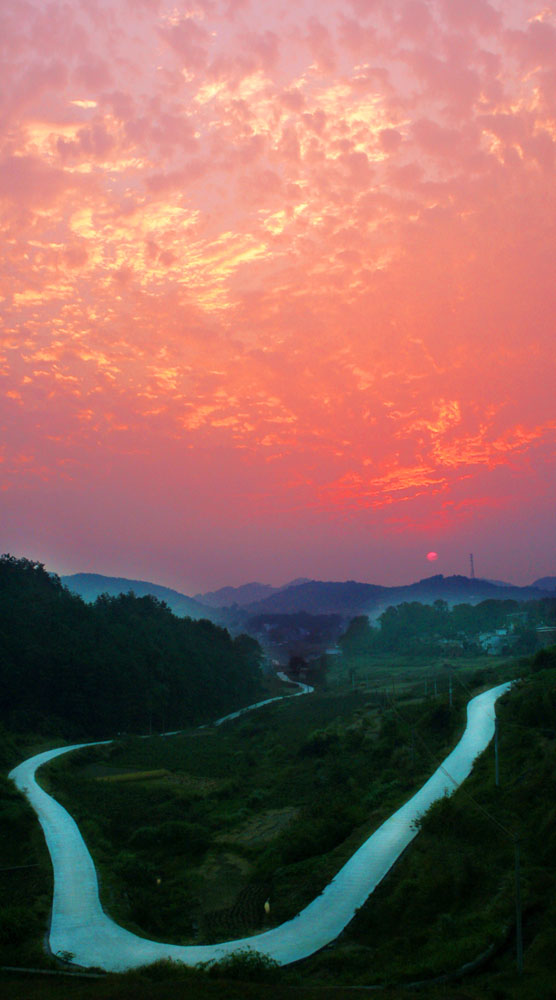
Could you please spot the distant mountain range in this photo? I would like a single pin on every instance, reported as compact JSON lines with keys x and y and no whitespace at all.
{"x":352,"y":598}
{"x":236,"y":605}
{"x":320,"y":598}
{"x":248,"y":593}
{"x":546,"y":583}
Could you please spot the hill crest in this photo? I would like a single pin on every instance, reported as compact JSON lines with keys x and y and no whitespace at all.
{"x":89,"y":586}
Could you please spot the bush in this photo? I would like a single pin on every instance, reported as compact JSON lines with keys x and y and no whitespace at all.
{"x":319,"y":742}
{"x":159,"y":971}
{"x":245,"y":965}
{"x":314,"y":837}
{"x":544,"y":659}
{"x":179,"y":836}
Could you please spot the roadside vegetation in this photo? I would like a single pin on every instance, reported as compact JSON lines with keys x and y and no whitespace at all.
{"x":25,"y":872}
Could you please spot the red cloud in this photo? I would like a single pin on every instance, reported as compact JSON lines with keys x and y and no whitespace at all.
{"x":536,"y":45}
{"x":468,"y":14}
{"x":188,"y":40}
{"x":30,"y":182}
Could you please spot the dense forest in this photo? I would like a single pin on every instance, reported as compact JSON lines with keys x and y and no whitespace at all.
{"x":124,"y":663}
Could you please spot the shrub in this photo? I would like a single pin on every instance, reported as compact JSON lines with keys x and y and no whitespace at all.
{"x":245,"y":965}
{"x":544,"y":659}
{"x":165,"y":968}
{"x":315,"y":836}
{"x":319,"y":742}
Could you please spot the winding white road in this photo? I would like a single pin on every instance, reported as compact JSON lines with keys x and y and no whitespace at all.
{"x":80,"y":928}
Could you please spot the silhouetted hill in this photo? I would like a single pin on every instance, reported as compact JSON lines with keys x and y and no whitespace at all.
{"x":352,"y":598}
{"x":316,"y":597}
{"x":227,"y":596}
{"x":248,"y":593}
{"x":320,"y":598}
{"x":89,"y":586}
{"x":545,"y":583}
{"x":460,"y":589}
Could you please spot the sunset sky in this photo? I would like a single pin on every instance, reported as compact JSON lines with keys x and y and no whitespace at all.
{"x":278,"y":291}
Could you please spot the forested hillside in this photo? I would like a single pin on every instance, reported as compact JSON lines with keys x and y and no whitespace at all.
{"x":124,"y":663}
{"x":89,"y":586}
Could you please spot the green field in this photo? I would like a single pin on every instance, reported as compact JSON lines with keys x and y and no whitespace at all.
{"x":392,"y":672}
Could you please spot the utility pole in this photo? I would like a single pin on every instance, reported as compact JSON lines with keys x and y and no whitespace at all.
{"x":472,"y":566}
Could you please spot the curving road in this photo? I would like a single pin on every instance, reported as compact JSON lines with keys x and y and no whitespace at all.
{"x":81,"y":928}
{"x":303,"y":689}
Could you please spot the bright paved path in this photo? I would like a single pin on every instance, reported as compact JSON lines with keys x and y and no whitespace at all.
{"x":80,"y":926}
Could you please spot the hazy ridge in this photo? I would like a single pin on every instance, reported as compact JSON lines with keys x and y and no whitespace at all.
{"x":89,"y":586}
{"x":346,"y":598}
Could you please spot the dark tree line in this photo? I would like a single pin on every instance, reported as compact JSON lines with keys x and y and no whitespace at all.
{"x":423,"y":628}
{"x":125,"y":663}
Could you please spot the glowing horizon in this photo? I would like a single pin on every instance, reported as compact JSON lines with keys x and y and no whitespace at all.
{"x":278,"y":297}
